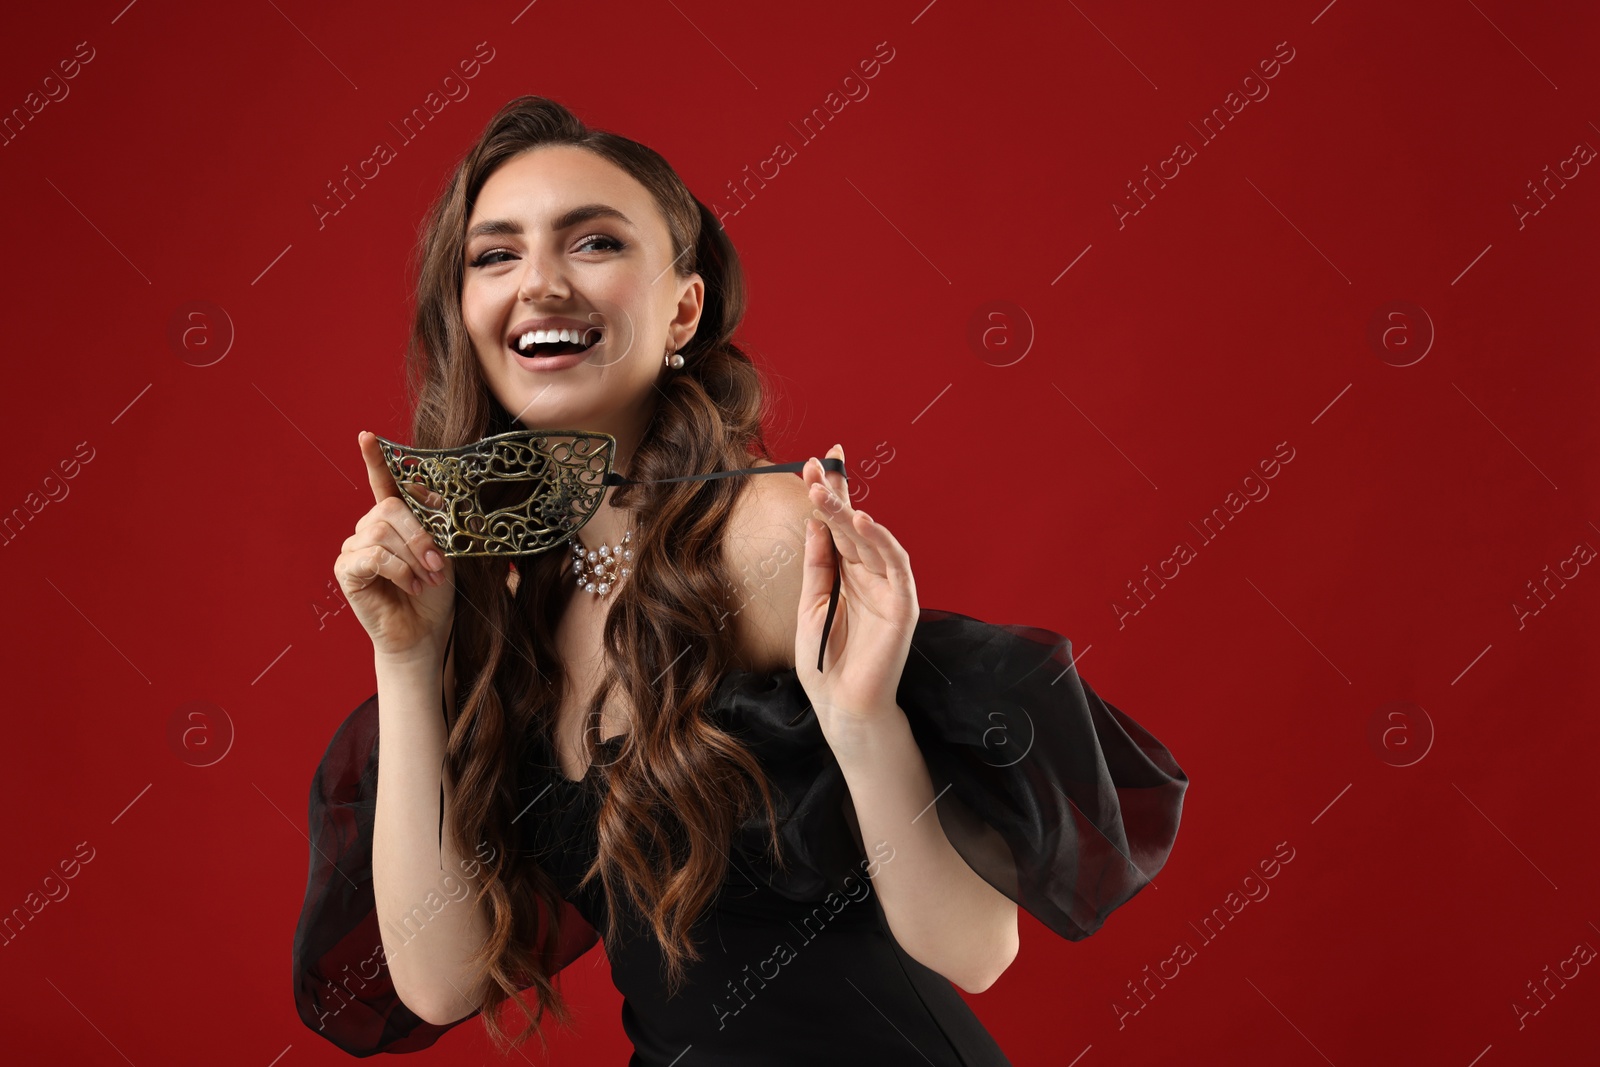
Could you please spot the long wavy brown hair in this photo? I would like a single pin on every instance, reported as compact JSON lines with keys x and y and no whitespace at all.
{"x":680,"y":783}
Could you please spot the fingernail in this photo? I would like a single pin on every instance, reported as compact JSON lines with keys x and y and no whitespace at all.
{"x":435,"y":560}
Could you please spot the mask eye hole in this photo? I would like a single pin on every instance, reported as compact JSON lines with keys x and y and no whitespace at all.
{"x":499,"y":494}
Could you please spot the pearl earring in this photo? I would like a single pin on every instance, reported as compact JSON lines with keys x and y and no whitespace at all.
{"x":673,"y":360}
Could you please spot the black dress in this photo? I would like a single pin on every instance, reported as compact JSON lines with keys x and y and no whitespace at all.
{"x":1056,"y":798}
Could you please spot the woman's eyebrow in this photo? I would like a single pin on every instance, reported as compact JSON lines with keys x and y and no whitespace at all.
{"x":580,"y":214}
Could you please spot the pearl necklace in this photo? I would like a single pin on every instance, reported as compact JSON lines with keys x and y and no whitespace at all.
{"x":598,"y":570}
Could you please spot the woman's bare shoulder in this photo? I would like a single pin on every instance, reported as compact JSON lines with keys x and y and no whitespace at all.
{"x":764,"y":550}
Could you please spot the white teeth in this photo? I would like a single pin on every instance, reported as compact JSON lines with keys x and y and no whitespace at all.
{"x":544,"y":337}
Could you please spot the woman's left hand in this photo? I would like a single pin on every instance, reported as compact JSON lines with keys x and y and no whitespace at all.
{"x":872,"y":626}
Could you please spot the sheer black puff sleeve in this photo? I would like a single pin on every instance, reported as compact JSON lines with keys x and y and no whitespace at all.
{"x":342,"y":987}
{"x":1053,"y":796}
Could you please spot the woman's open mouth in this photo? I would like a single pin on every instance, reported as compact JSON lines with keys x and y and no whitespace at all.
{"x":555,"y":349}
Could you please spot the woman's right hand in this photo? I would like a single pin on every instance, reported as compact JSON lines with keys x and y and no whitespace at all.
{"x":401,"y":586}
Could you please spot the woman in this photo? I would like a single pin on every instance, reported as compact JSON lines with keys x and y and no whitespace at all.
{"x":659,"y":755}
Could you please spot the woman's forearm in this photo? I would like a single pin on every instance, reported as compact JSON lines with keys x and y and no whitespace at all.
{"x":426,"y":914}
{"x":939,"y":909}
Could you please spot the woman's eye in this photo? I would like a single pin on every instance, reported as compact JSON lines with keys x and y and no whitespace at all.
{"x":606,"y":244}
{"x":610,"y":242}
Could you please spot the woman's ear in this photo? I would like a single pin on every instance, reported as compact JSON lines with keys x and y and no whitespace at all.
{"x":691,"y":301}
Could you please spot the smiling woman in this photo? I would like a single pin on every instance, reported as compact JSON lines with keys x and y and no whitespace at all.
{"x":634,"y":765}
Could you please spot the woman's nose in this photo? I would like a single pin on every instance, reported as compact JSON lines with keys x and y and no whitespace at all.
{"x":541,"y":277}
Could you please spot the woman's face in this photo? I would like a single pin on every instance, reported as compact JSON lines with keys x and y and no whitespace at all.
{"x":571,"y":237}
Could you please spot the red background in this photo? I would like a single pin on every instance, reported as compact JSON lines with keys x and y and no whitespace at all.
{"x":1032,"y":479}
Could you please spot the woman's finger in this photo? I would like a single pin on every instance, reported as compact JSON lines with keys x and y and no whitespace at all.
{"x":835,"y":496}
{"x":868,"y":535}
{"x":896,"y":560}
{"x":378,"y":475}
{"x":816,"y":581}
{"x":361,"y":565}
{"x":836,"y":481}
{"x":385,"y":534}
{"x":838,"y":499}
{"x":424,"y":549}
{"x":837,"y":514}
{"x":420,"y":543}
